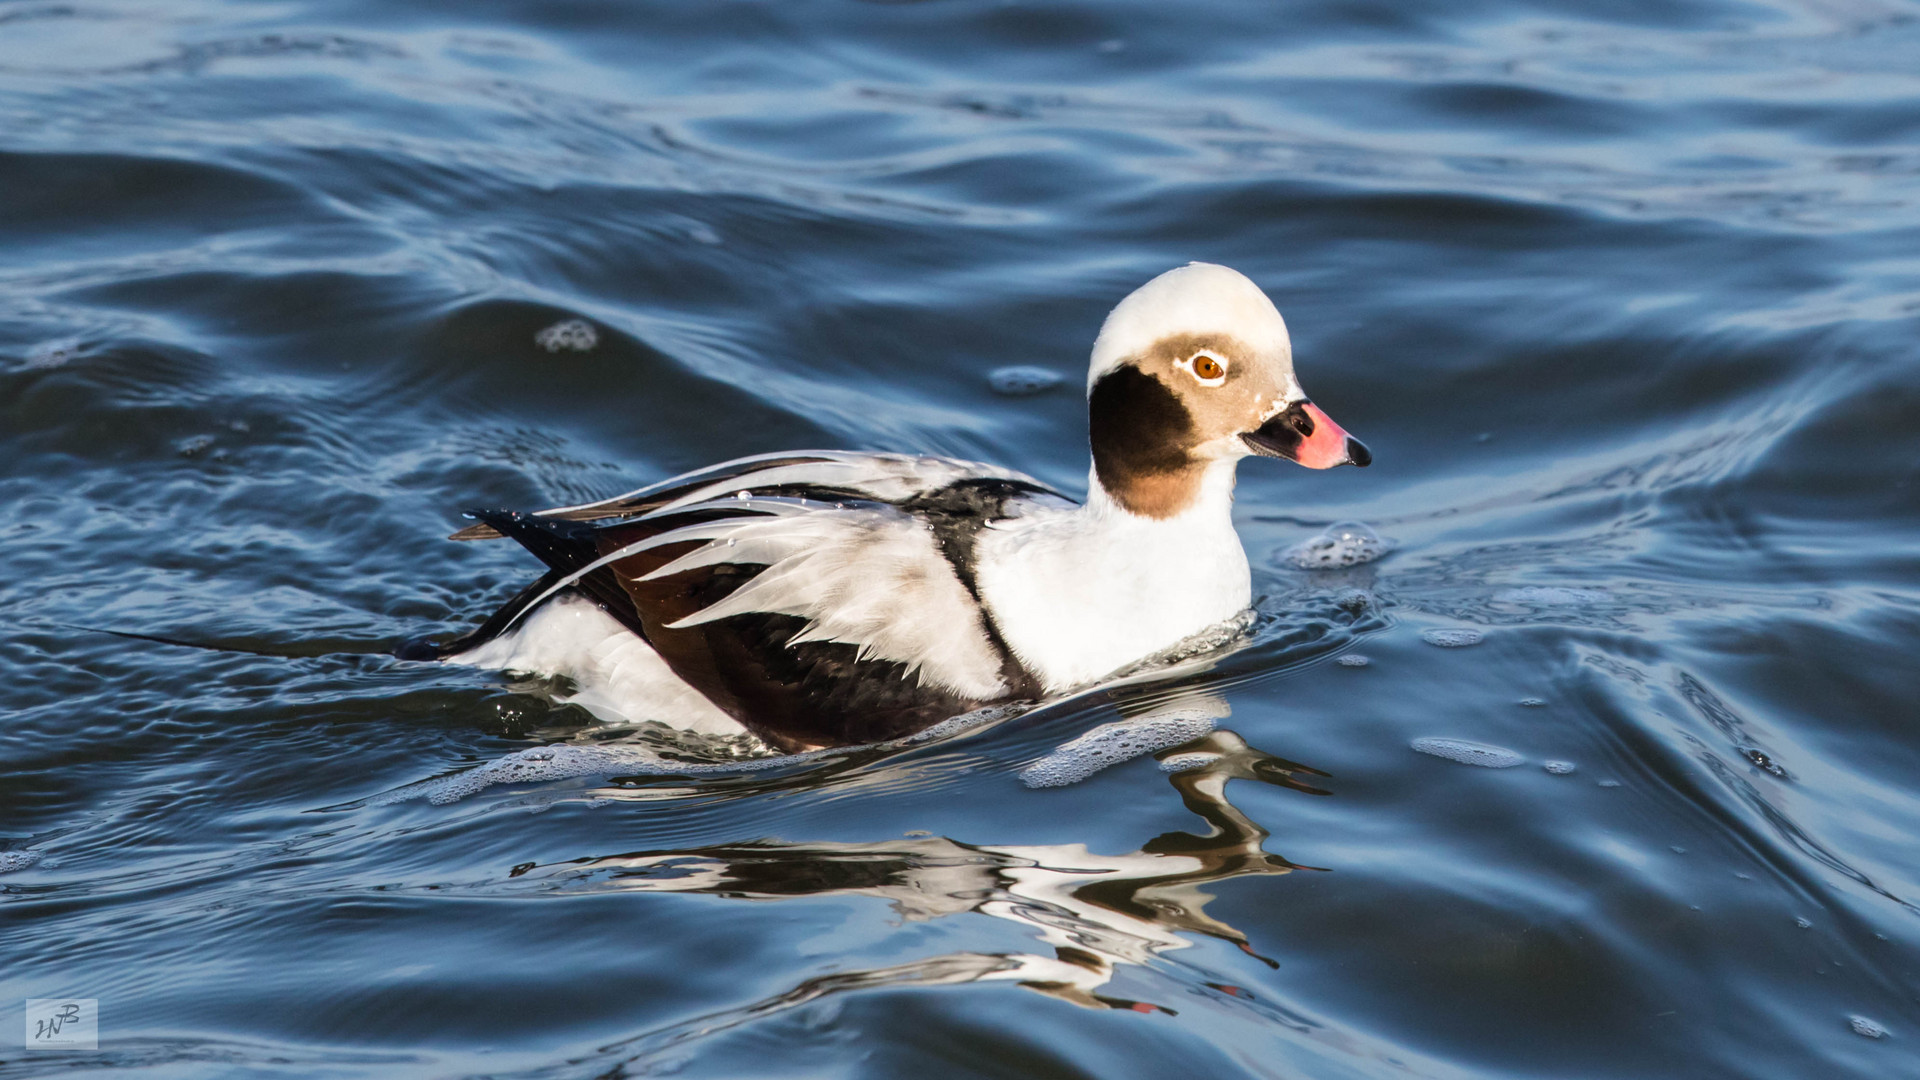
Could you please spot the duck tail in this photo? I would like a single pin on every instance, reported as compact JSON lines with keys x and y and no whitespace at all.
{"x":567,"y":547}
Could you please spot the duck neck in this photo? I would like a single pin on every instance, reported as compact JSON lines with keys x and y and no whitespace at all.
{"x":1082,"y":594}
{"x":1197,"y":498}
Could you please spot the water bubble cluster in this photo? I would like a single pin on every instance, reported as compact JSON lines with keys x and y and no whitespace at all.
{"x":1353,"y":660}
{"x":1865,"y":1027}
{"x":1111,"y":744}
{"x":989,"y":714}
{"x":1340,"y":545}
{"x":1559,"y":768}
{"x":570,"y":335}
{"x":540,"y":764}
{"x":1452,"y":637}
{"x":1023,"y":380}
{"x":1469,"y":753}
{"x":17,"y":860}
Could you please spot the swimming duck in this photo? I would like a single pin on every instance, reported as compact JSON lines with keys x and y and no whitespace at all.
{"x":821,"y":598}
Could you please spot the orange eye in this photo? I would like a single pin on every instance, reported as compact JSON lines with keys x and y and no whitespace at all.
{"x":1206,"y":368}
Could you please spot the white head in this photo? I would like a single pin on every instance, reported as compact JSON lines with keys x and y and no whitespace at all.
{"x":1195,"y":367}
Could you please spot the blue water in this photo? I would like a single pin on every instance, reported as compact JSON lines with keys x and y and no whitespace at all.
{"x":1623,"y":297}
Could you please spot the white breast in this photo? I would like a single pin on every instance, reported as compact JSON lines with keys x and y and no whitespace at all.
{"x":1078,"y":594}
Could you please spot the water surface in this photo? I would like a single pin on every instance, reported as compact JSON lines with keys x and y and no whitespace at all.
{"x":1623,"y":296}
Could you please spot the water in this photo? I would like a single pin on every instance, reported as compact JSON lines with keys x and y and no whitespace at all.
{"x":1338,"y":546}
{"x":1622,"y":297}
{"x":1469,"y":753}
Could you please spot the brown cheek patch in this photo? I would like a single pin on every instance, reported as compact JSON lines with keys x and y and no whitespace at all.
{"x":1141,"y":434}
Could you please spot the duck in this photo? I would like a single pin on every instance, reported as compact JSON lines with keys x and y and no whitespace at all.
{"x":824,"y":598}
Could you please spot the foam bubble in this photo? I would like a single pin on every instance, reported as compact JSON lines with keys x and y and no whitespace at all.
{"x":1559,"y":768}
{"x":1217,"y":636}
{"x":17,"y":860}
{"x":1111,"y":744}
{"x":1869,"y":1028}
{"x":565,"y":761}
{"x":1023,"y":381}
{"x":1455,"y":637}
{"x":570,"y":335}
{"x":1343,"y":544}
{"x":1469,"y":753}
{"x":1353,"y":660}
{"x":988,"y":714}
{"x":1173,"y":763}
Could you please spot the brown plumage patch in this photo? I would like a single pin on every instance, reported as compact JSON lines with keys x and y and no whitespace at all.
{"x":1148,"y":419}
{"x":1141,"y":434}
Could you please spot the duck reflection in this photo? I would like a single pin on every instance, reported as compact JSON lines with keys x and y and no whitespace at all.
{"x":1097,"y":912}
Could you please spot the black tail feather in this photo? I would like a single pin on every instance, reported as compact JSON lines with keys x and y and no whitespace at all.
{"x":421,"y":648}
{"x":566,"y":547}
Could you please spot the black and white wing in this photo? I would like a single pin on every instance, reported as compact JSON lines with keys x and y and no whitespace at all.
{"x":819,"y":474}
{"x":820,"y":598}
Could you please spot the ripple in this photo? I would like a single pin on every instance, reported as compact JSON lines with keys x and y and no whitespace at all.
{"x":1552,"y":596}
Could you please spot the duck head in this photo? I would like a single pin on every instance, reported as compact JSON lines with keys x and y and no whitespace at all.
{"x":1194,"y":370}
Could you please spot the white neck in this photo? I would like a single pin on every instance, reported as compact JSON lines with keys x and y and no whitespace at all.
{"x":1080,"y":593}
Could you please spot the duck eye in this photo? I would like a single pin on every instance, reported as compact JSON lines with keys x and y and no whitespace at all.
{"x":1206,"y":368}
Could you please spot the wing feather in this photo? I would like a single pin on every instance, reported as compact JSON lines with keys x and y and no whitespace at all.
{"x":820,"y":598}
{"x":873,"y":578}
{"x":886,"y":477}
